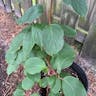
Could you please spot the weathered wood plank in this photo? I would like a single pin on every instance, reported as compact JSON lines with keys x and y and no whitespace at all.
{"x":89,"y":47}
{"x":85,"y":24}
{"x":91,"y":5}
{"x":2,"y":4}
{"x":57,"y":7}
{"x":16,"y":8}
{"x":68,"y":17}
{"x":8,"y":5}
{"x":80,"y":37}
{"x":64,"y":14}
{"x":25,"y":4}
{"x":46,"y":14}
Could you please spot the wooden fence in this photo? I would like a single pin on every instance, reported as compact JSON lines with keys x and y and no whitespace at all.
{"x":61,"y":13}
{"x":16,"y":6}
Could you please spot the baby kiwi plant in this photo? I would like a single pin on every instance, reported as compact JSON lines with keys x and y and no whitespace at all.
{"x":43,"y":53}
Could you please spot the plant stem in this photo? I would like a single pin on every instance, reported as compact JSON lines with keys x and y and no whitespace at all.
{"x":48,"y":62}
{"x":51,"y":71}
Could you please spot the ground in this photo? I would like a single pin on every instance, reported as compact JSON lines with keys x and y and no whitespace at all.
{"x":8,"y":29}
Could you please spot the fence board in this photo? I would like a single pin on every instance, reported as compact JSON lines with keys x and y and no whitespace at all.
{"x":57,"y":7}
{"x":89,"y":47}
{"x":8,"y":5}
{"x":80,"y":37}
{"x":85,"y":24}
{"x":47,"y":10}
{"x":16,"y":8}
{"x":68,"y":17}
{"x":25,"y":4}
{"x":44,"y":16}
{"x":2,"y":4}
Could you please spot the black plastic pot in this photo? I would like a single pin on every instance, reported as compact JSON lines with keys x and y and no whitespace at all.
{"x":81,"y":74}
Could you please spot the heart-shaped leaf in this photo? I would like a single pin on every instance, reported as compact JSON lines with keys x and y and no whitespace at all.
{"x":54,"y":83}
{"x":68,"y":31}
{"x":51,"y":81}
{"x":35,"y":77}
{"x":31,"y":14}
{"x":11,"y":68}
{"x":27,"y":83}
{"x":53,"y":39}
{"x":43,"y":82}
{"x":17,"y":42}
{"x":19,"y":59}
{"x":63,"y":59}
{"x":57,"y":86}
{"x":37,"y":35}
{"x":34,"y":65}
{"x":73,"y":87}
{"x":18,"y":92}
{"x":10,"y":56}
{"x":28,"y":41}
{"x":80,"y":6}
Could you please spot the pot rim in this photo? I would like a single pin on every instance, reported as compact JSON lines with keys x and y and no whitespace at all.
{"x":81,"y":74}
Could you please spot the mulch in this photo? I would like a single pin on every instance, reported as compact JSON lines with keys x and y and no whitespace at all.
{"x":9,"y":29}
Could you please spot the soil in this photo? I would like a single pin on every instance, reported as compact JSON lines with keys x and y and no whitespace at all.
{"x":9,"y":29}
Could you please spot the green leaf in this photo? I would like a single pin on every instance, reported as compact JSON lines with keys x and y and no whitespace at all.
{"x":63,"y":74}
{"x":11,"y":68}
{"x":37,"y":34}
{"x":63,"y":59}
{"x":43,"y":82}
{"x":39,"y":52}
{"x":28,"y":41}
{"x":52,"y":94}
{"x":35,"y":94}
{"x":35,"y":77}
{"x":18,"y":92}
{"x":10,"y":56}
{"x":51,"y":81}
{"x":19,"y":58}
{"x":53,"y":39}
{"x":34,"y":65}
{"x":80,"y":6}
{"x":16,"y":42}
{"x":31,"y":14}
{"x":27,"y":84}
{"x":68,"y":31}
{"x":67,"y":1}
{"x":73,"y":87}
{"x":19,"y":86}
{"x":57,"y":86}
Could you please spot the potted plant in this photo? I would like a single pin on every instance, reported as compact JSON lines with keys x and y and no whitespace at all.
{"x":45,"y":56}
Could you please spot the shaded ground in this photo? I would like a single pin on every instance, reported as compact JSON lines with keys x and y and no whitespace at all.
{"x":91,"y":74}
{"x":8,"y":29}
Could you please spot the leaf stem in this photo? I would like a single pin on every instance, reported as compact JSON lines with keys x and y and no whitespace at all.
{"x":51,"y":71}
